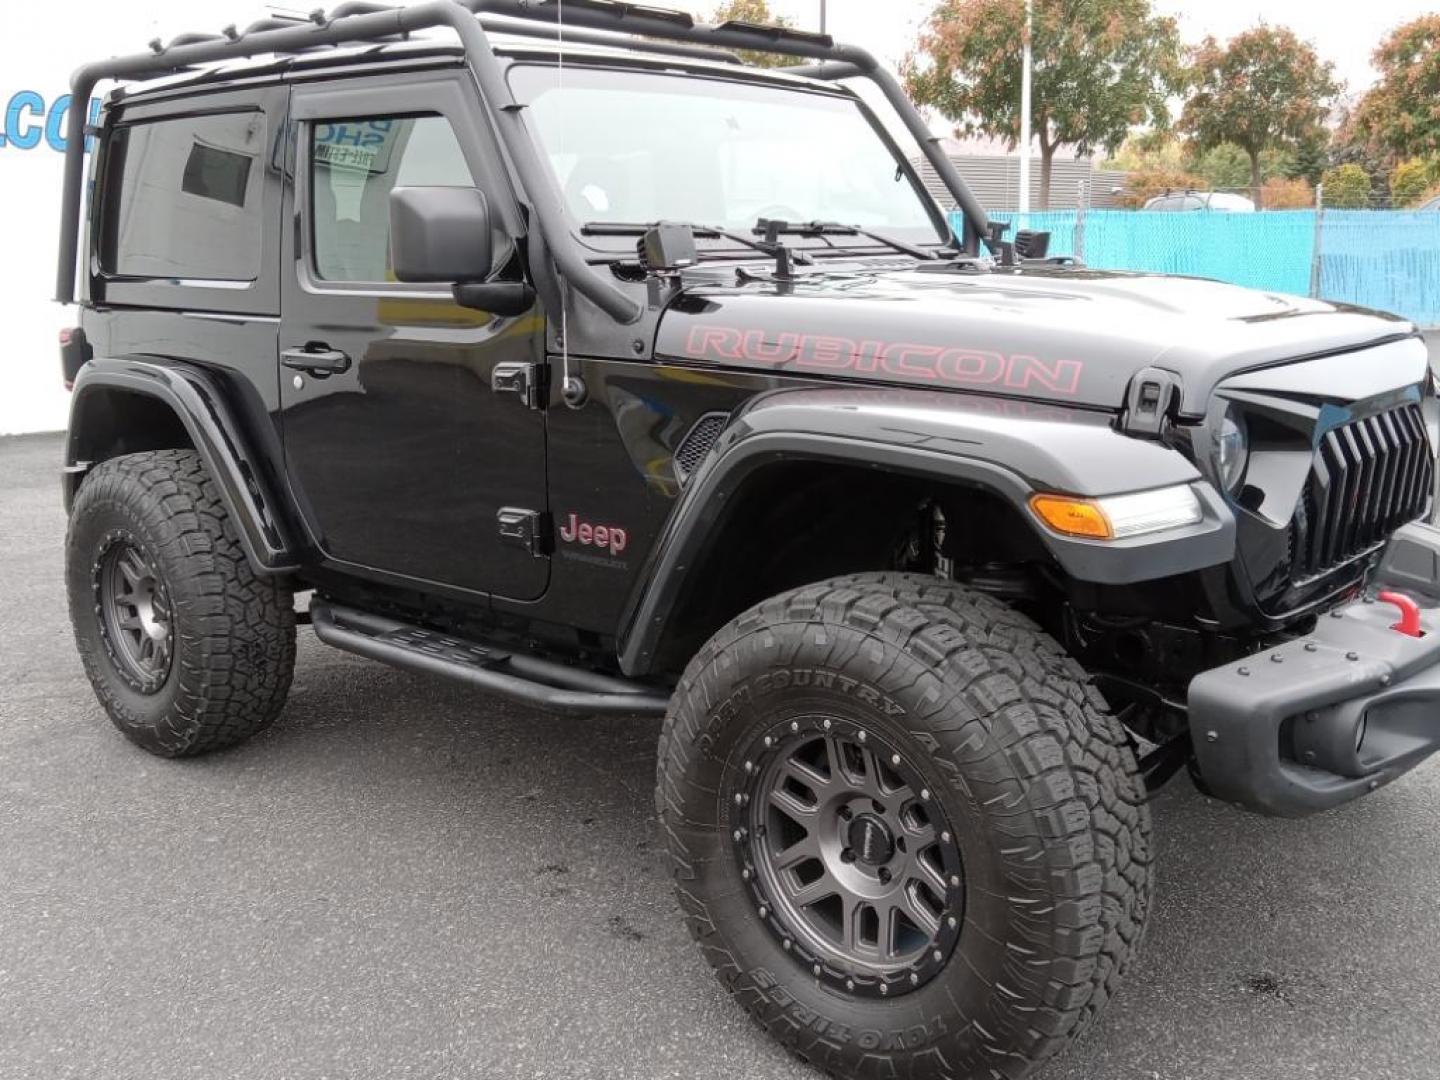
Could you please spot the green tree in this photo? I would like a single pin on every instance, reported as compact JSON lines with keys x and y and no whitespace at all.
{"x":1263,"y":90}
{"x":754,"y":11}
{"x":1150,"y":149}
{"x":1347,"y":187}
{"x":1398,"y":116}
{"x":1226,"y":167}
{"x":1101,"y":67}
{"x":1223,"y":166}
{"x":1410,"y":180}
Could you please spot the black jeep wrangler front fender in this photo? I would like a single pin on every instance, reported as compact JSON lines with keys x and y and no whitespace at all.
{"x":196,"y":401}
{"x":1010,"y":448}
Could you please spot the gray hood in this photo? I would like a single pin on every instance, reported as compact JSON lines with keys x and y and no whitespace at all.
{"x":1072,"y":336}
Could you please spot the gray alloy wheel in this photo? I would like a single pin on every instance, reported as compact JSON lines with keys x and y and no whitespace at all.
{"x":850,"y":856}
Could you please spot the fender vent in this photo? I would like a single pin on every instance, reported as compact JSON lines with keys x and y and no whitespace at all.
{"x":697,"y":443}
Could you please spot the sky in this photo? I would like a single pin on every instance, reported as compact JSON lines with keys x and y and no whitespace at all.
{"x":1345,"y":33}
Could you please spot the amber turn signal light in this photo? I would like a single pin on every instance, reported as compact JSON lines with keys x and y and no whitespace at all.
{"x":1073,"y":517}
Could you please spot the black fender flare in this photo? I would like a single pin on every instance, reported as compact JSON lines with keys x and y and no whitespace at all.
{"x":197,"y":400}
{"x":1010,"y":448}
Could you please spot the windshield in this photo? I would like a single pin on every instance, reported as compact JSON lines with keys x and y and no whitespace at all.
{"x":638,"y":146}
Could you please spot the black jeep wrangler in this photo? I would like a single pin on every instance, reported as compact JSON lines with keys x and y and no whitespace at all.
{"x":586,"y":365}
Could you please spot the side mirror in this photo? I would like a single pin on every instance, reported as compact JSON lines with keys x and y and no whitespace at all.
{"x":439,"y":234}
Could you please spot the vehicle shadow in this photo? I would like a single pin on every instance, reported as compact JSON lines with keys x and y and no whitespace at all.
{"x":1261,"y":929}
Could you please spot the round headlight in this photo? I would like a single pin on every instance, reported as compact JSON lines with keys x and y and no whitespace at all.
{"x":1232,"y":450}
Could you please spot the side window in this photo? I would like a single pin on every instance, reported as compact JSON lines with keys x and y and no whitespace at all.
{"x":354,"y":165}
{"x":183,"y":198}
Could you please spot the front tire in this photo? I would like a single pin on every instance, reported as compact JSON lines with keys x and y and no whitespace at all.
{"x":186,"y":648}
{"x":904,"y":828}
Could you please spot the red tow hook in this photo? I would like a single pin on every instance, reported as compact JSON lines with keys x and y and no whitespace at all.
{"x":1409,"y":613}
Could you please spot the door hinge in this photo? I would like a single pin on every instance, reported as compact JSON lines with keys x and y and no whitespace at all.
{"x":1150,"y":398}
{"x":528,"y":529}
{"x":517,"y":377}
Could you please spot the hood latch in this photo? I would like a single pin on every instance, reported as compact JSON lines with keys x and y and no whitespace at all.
{"x":1150,"y":399}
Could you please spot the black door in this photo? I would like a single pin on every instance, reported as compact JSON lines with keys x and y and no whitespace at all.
{"x":399,"y":452}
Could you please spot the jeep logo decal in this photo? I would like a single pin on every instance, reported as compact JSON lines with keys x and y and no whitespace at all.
{"x":609,"y":538}
{"x":958,"y":365}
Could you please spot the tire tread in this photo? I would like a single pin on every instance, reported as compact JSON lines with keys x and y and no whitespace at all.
{"x":1070,"y":805}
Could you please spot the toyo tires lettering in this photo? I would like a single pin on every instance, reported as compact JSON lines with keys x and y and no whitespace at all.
{"x":914,"y":1037}
{"x":819,"y":678}
{"x":956,"y":365}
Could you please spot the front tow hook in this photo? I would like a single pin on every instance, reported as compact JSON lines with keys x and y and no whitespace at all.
{"x":1409,"y":623}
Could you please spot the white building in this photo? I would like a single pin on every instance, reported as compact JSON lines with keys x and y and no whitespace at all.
{"x":35,"y":67}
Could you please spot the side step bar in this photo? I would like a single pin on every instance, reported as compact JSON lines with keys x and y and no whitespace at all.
{"x":520,"y":677}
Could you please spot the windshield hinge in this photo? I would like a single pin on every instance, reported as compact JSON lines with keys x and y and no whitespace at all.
{"x":1151,"y":397}
{"x":522,"y":379}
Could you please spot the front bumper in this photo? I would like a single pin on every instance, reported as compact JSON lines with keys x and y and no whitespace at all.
{"x":1335,"y":714}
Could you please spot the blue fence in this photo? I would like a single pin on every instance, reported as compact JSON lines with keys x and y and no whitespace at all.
{"x":1386,"y":259}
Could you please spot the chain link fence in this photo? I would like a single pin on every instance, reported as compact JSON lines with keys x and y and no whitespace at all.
{"x":1378,"y":258}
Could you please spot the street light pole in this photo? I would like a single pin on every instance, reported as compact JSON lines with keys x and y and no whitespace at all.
{"x":1024,"y":203}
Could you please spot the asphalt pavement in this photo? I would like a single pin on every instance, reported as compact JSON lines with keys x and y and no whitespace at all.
{"x":406,"y":878}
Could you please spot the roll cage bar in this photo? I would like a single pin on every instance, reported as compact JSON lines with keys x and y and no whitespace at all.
{"x":586,"y":21}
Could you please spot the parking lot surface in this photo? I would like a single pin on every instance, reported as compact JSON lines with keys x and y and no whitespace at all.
{"x":406,"y":878}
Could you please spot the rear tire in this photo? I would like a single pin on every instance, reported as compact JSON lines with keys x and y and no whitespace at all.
{"x":187,"y":649}
{"x":1029,"y":829}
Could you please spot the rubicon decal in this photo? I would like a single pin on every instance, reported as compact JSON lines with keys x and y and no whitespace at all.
{"x":957,"y":364}
{"x":610,"y":538}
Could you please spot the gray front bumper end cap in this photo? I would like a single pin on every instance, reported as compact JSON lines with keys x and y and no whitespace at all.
{"x":1335,"y":714}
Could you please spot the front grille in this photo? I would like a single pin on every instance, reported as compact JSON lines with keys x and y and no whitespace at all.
{"x":1367,"y":479}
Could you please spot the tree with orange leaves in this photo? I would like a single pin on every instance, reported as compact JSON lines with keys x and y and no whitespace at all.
{"x":1400,"y":115}
{"x":1101,"y":67}
{"x":1263,"y":90}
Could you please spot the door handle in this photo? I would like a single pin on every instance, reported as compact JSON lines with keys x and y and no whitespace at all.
{"x":319,"y":360}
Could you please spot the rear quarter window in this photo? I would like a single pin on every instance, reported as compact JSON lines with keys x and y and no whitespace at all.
{"x":182,"y":198}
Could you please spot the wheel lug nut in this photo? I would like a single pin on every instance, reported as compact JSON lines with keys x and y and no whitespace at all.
{"x":914,"y":978}
{"x":794,"y":725}
{"x":764,"y":911}
{"x":786,"y":944}
{"x":739,"y":835}
{"x":894,"y":759}
{"x":954,"y":880}
{"x":945,"y":837}
{"x":925,"y":793}
{"x":749,"y":766}
{"x":860,"y":735}
{"x":952,"y":922}
{"x":745,"y":874}
{"x":849,"y":984}
{"x":816,"y":970}
{"x":826,"y":725}
{"x":769,"y":741}
{"x":938,"y":955}
{"x":884,"y":988}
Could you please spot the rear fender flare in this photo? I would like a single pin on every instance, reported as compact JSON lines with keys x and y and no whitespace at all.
{"x":196,"y":398}
{"x":1010,"y":448}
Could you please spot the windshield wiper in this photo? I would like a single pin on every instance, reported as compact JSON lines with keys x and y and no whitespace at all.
{"x":771,"y":228}
{"x":638,"y":228}
{"x":771,"y":247}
